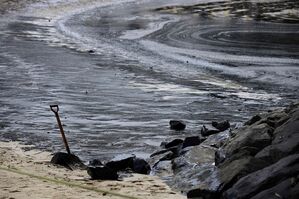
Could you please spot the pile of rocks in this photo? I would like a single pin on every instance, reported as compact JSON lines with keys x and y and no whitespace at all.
{"x":258,"y":160}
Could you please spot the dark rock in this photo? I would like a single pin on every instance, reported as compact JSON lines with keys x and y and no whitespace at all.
{"x":137,"y":165}
{"x":274,"y":118}
{"x":95,"y":163}
{"x":253,"y":120}
{"x":191,"y":141}
{"x":289,"y":128}
{"x":231,"y":172}
{"x":91,"y":51}
{"x":169,"y":156}
{"x":221,"y":126}
{"x":204,"y":194}
{"x":285,"y":142}
{"x":162,"y":169}
{"x":141,"y":166}
{"x":206,"y":132}
{"x":175,"y":149}
{"x":275,"y":152}
{"x":288,"y":188}
{"x":69,"y":161}
{"x":265,"y":178}
{"x":219,"y":156}
{"x":102,"y":173}
{"x":173,"y":143}
{"x":258,"y":136}
{"x":161,"y":152}
{"x":177,"y":125}
{"x":120,"y":165}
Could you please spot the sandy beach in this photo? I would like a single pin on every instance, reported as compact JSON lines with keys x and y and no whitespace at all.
{"x":28,"y":174}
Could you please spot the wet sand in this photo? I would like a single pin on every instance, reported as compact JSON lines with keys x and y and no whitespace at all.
{"x":27,"y":173}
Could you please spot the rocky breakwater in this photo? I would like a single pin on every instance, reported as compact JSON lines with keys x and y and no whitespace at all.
{"x":260,"y":159}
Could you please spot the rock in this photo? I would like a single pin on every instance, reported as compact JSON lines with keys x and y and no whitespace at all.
{"x":285,"y":142}
{"x":177,"y":125}
{"x":275,"y":152}
{"x":200,"y":154}
{"x":141,"y":166}
{"x":253,"y":120}
{"x":191,"y":141}
{"x":201,"y":177}
{"x":137,"y":165}
{"x":288,"y":188}
{"x":175,"y":149}
{"x":173,"y":143}
{"x":163,"y":169}
{"x":206,"y":132}
{"x":221,"y":126}
{"x":266,"y":178}
{"x":91,"y":51}
{"x":169,"y":156}
{"x":102,"y":173}
{"x":275,"y":119}
{"x":120,"y":165}
{"x":258,"y":136}
{"x":95,"y":163}
{"x":204,"y":194}
{"x":287,"y":129}
{"x":231,"y":172}
{"x":69,"y":161}
{"x":219,"y":156}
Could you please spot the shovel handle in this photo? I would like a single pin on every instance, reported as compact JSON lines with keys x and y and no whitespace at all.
{"x":54,"y":108}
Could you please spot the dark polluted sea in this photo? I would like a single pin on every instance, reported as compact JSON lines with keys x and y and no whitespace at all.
{"x":120,"y":70}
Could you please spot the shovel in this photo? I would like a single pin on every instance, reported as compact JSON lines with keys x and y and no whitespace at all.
{"x":55,"y":109}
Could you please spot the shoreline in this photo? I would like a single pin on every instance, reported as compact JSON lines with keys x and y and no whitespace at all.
{"x":28,"y":174}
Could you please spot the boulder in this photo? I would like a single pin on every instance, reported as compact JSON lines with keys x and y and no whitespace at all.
{"x":140,"y":166}
{"x":257,"y":136}
{"x":192,"y":177}
{"x":288,"y":188}
{"x":221,"y":126}
{"x":275,"y":152}
{"x":231,"y":172}
{"x":137,"y":165}
{"x":120,"y":165}
{"x":253,"y":120}
{"x":177,"y":125}
{"x":102,"y":173}
{"x":95,"y":163}
{"x":285,"y":142}
{"x":203,"y":193}
{"x":264,"y":179}
{"x":191,"y":141}
{"x":206,"y":131}
{"x":69,"y":161}
{"x":196,"y":155}
{"x":172,"y":143}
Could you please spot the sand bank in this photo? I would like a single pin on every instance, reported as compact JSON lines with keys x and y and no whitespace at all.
{"x":27,"y":173}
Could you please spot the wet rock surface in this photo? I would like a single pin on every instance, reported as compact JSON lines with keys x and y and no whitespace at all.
{"x":257,"y":160}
